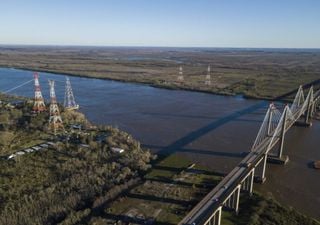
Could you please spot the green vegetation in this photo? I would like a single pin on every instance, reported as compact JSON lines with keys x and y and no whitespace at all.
{"x":258,"y":210}
{"x":253,"y":73}
{"x":63,"y":183}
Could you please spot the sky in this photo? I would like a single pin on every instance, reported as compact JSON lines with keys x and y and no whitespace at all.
{"x":170,"y":23}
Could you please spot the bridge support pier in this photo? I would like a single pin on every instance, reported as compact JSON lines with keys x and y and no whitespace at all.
{"x":232,"y":201}
{"x":215,"y":219}
{"x":262,"y":178}
{"x":247,"y":184}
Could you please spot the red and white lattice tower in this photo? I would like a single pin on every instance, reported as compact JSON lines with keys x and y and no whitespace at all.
{"x":208,"y":77}
{"x":180,"y":76}
{"x":38,"y":105}
{"x":55,"y":121}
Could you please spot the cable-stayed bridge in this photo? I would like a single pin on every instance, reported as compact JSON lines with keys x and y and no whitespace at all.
{"x":253,"y":167}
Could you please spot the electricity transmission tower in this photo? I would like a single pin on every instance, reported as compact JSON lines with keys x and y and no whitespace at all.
{"x":55,"y":121}
{"x":38,"y":105}
{"x":69,"y":102}
{"x":208,"y":77}
{"x":180,"y":76}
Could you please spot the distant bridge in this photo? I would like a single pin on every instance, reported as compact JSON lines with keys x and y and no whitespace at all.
{"x":272,"y":131}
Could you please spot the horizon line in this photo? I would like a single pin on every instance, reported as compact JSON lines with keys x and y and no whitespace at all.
{"x":151,"y":46}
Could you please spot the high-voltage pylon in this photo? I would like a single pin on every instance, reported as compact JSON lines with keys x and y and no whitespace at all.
{"x":69,"y":102}
{"x":38,"y":105}
{"x":55,"y":121}
{"x":208,"y":77}
{"x":180,"y":76}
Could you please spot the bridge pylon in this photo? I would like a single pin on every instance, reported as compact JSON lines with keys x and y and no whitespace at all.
{"x":310,"y":106}
{"x":279,"y":134}
{"x":269,"y":124}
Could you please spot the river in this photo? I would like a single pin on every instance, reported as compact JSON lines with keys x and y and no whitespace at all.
{"x":210,"y":129}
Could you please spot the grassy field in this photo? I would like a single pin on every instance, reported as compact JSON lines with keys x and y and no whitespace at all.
{"x":253,"y":73}
{"x":169,"y":191}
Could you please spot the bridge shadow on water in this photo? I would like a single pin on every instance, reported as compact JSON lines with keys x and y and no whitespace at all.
{"x":178,"y":145}
{"x":200,"y":151}
{"x":184,"y":116}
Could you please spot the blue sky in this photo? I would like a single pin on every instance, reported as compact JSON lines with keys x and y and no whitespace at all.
{"x":181,"y":23}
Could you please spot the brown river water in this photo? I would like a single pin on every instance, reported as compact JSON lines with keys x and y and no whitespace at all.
{"x":212,"y":130}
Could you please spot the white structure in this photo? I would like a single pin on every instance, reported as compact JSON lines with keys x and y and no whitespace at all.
{"x":38,"y":105}
{"x":208,"y":77}
{"x":117,"y":150}
{"x":69,"y":102}
{"x":55,"y":121}
{"x":180,"y":76}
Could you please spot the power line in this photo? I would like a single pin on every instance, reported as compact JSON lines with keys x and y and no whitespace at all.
{"x":11,"y":89}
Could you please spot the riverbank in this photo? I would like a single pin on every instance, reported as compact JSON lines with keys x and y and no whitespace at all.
{"x":257,"y":74}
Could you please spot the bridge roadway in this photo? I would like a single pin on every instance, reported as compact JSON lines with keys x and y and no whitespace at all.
{"x":216,"y":198}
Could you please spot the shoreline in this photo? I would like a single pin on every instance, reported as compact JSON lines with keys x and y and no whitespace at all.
{"x":150,"y":84}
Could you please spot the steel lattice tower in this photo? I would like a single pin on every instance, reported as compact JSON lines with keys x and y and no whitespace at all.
{"x":208,"y":77}
{"x":180,"y":76}
{"x":69,"y":102}
{"x":38,"y":105}
{"x":55,"y":121}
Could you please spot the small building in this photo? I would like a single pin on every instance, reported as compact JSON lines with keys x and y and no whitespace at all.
{"x":44,"y":145}
{"x":28,"y":150}
{"x":76,"y":127}
{"x":51,"y":143}
{"x":37,"y":148}
{"x":20,"y":153}
{"x":117,"y":150}
{"x":11,"y":156}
